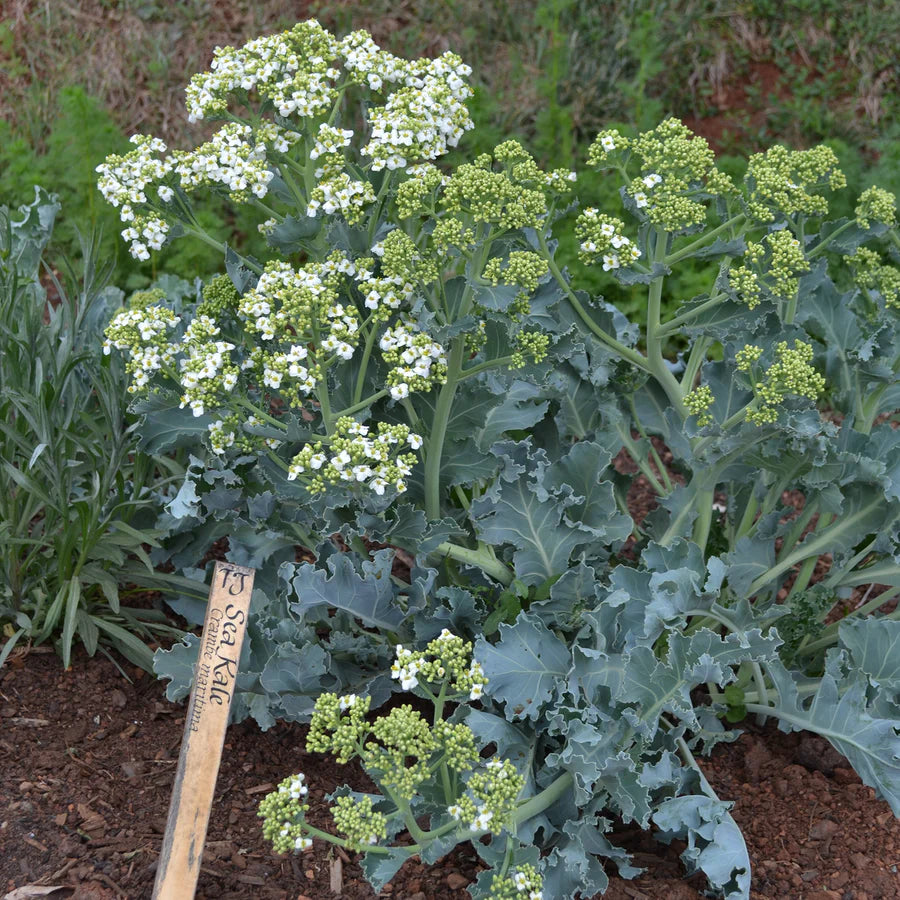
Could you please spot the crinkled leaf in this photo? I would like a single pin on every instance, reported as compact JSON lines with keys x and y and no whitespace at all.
{"x":524,"y":665}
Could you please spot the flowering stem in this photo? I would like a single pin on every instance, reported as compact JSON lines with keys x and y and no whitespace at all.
{"x":626,"y":353}
{"x":484,"y":366}
{"x":243,"y":401}
{"x":362,"y":404}
{"x":435,"y":445}
{"x":814,"y":545}
{"x":657,"y":365}
{"x":703,"y":241}
{"x":822,"y":246}
{"x":546,"y":798}
{"x":666,"y":328}
{"x":364,"y":364}
{"x":498,"y":570}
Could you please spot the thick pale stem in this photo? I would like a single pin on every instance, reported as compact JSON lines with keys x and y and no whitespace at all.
{"x":658,"y":366}
{"x":488,"y":564}
{"x":435,"y":447}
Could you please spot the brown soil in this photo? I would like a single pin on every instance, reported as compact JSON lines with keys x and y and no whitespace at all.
{"x":88,"y":761}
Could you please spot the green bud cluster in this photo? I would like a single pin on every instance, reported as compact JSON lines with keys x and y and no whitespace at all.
{"x":403,"y":743}
{"x":523,"y":268}
{"x":457,"y":744}
{"x":401,"y":258}
{"x":524,"y":883}
{"x":605,"y":144}
{"x":778,"y":260}
{"x":675,"y":164}
{"x":283,"y":813}
{"x":338,"y":725}
{"x":220,"y":297}
{"x":452,"y":232}
{"x":359,"y":821}
{"x":500,"y":198}
{"x":416,"y":196}
{"x":792,"y":374}
{"x":529,"y":344}
{"x":870,"y":273}
{"x":745,"y":283}
{"x":143,"y":299}
{"x":781,"y":182}
{"x":698,"y":402}
{"x":876,"y":204}
{"x":746,"y":356}
{"x":354,"y":458}
{"x":603,"y":236}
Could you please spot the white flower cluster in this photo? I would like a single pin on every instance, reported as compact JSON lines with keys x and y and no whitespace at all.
{"x":123,"y":179}
{"x":278,"y":366}
{"x":341,"y":194}
{"x":145,"y":232}
{"x":423,"y":119}
{"x":295,"y":788}
{"x":368,"y":64}
{"x":232,"y":158}
{"x":602,"y":236}
{"x":356,"y":456}
{"x":206,"y":373}
{"x":123,"y":182}
{"x":529,"y":884}
{"x":330,"y":140}
{"x":291,"y":69}
{"x":418,"y":362}
{"x":141,"y":333}
{"x":385,"y":293}
{"x":303,"y":303}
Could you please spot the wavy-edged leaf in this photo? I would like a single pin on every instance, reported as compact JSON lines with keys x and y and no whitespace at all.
{"x":524,"y":666}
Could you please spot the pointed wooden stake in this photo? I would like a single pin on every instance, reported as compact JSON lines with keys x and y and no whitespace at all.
{"x":204,"y":733}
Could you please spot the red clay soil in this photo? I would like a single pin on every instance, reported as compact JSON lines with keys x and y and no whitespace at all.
{"x":88,"y":760}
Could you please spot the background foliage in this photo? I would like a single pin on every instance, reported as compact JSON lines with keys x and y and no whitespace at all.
{"x":76,"y":78}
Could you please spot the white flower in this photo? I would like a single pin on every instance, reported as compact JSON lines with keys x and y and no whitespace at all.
{"x":415,"y":441}
{"x":302,"y":843}
{"x":640,"y":200}
{"x":347,"y":701}
{"x":482,"y":821}
{"x":455,"y":811}
{"x":607,"y":143}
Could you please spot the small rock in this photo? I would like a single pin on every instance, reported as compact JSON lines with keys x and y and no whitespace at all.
{"x":7,"y":712}
{"x":845,"y":776}
{"x":823,"y":830}
{"x":118,"y":699}
{"x":25,"y":786}
{"x":456,"y":882}
{"x":860,"y":860}
{"x":811,"y":875}
{"x":419,"y":896}
{"x":60,"y":820}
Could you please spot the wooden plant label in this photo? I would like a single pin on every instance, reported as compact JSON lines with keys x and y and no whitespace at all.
{"x":204,"y":732}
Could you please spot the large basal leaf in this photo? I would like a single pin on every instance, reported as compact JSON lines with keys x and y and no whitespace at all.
{"x":369,"y":598}
{"x":715,"y":844}
{"x":874,"y":646}
{"x":840,"y":711}
{"x":524,"y":666}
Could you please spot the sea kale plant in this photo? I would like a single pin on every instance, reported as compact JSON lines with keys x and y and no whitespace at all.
{"x":414,"y":390}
